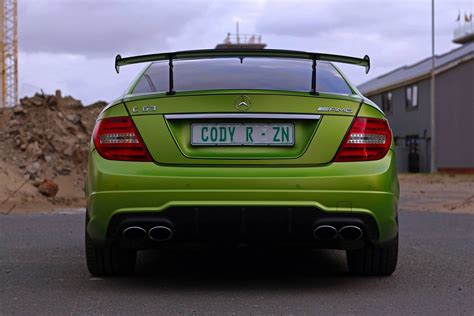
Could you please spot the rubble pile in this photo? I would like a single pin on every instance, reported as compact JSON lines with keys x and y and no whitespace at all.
{"x":47,"y":136}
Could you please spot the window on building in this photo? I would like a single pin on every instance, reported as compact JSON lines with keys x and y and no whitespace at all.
{"x":387,"y":102}
{"x":414,"y":99}
{"x":411,"y":93}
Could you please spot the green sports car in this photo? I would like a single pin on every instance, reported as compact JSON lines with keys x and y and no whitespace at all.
{"x":242,"y":147}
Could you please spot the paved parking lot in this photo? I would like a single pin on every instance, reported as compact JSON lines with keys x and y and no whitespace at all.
{"x":43,"y":272}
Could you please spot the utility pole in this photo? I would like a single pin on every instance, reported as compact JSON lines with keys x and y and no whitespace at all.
{"x":9,"y":53}
{"x":433,"y":95}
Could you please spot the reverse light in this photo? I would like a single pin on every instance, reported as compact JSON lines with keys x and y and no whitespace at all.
{"x":368,"y":139}
{"x":116,"y":138}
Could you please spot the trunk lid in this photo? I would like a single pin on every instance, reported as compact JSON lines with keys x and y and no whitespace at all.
{"x":310,"y":128}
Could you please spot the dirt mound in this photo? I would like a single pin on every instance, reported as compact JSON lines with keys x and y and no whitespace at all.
{"x":46,"y":137}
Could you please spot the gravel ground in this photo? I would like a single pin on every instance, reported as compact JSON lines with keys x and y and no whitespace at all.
{"x":449,"y":193}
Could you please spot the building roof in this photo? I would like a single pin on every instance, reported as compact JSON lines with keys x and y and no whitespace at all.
{"x":417,"y":70}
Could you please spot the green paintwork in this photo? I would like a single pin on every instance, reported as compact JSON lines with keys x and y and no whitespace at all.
{"x":317,"y":142}
{"x":128,"y":97}
{"x":114,"y":111}
{"x":263,"y":101}
{"x":300,"y":175}
{"x":122,"y":187}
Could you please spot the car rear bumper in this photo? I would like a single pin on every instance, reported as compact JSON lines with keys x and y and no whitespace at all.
{"x":243,"y":203}
{"x":242,"y":224}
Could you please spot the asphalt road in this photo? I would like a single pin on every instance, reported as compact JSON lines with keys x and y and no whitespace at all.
{"x":42,"y":271}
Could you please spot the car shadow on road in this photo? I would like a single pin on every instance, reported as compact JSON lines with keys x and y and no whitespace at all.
{"x":235,"y":269}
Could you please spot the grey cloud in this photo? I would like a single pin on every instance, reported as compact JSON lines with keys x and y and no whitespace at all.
{"x":90,"y":27}
{"x":54,"y":32}
{"x":315,"y":18}
{"x":392,"y":33}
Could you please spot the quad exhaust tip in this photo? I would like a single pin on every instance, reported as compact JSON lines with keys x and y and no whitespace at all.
{"x":160,"y":233}
{"x":350,"y":232}
{"x":325,"y":232}
{"x":134,"y":233}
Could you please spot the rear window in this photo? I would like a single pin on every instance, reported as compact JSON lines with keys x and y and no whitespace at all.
{"x":251,"y":74}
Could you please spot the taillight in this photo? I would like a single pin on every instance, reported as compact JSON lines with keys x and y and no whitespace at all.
{"x":368,"y":139}
{"x":116,"y":138}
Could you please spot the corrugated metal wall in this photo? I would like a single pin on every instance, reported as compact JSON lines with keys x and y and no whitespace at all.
{"x":455,"y":117}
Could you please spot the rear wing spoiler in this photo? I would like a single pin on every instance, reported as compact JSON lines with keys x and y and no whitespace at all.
{"x":241,"y":53}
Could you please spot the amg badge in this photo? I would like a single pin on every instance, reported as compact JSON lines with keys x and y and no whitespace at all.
{"x":334,"y":109}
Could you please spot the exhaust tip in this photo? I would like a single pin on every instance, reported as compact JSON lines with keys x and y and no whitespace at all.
{"x":325,"y":232}
{"x":160,"y":233}
{"x":350,"y":232}
{"x":133,"y":233}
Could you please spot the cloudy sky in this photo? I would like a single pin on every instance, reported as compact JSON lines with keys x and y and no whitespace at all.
{"x":71,"y":44}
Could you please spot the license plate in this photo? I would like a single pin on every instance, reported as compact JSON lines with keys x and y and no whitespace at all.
{"x":242,"y":134}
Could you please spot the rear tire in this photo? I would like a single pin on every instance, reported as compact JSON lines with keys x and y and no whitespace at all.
{"x":109,"y":260}
{"x":373,"y":260}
